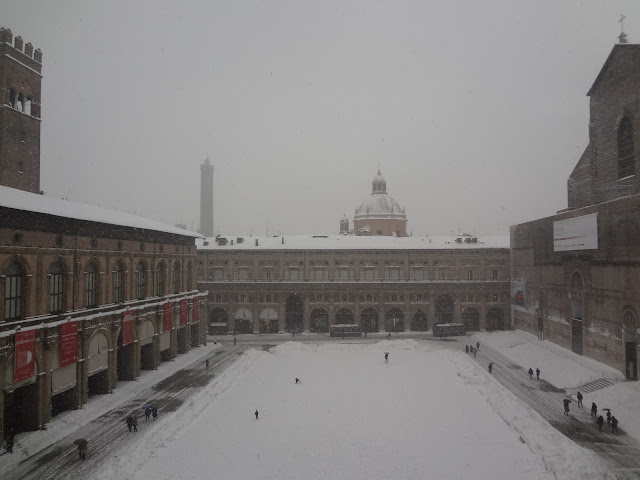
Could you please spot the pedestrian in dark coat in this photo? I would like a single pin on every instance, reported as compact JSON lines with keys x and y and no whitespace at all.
{"x":531,"y":373}
{"x":130,"y":422}
{"x":256,"y":414}
{"x":490,"y":367}
{"x":9,"y":440}
{"x":135,"y":423}
{"x":608,"y":417}
{"x":82,"y":448}
{"x":206,"y":363}
{"x":579,"y":397}
{"x":537,"y":374}
{"x":298,"y":380}
{"x":478,"y":346}
{"x":614,"y":425}
{"x":147,"y":414}
{"x":594,"y":409}
{"x":466,"y":348}
{"x":566,"y":407}
{"x":600,"y":422}
{"x":154,"y":413}
{"x":386,"y":358}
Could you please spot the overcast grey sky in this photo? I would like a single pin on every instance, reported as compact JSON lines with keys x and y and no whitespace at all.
{"x":476,"y":111}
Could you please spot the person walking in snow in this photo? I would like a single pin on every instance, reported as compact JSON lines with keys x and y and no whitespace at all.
{"x":579,"y":397}
{"x":530,"y":373}
{"x":147,"y":413}
{"x":466,"y":348}
{"x":135,"y":423}
{"x":298,"y":380}
{"x":130,"y":422}
{"x":478,"y":346}
{"x":490,"y":367}
{"x":234,"y":341}
{"x":386,"y":357}
{"x":594,"y":409}
{"x":154,"y":412}
{"x":206,"y":363}
{"x":537,"y":374}
{"x":608,"y":417}
{"x":566,"y":406}
{"x":256,"y":414}
{"x":614,"y":425}
{"x":600,"y":422}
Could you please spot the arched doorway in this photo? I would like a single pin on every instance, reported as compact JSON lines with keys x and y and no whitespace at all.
{"x":369,"y":320}
{"x":444,"y":309}
{"x":394,"y":320}
{"x":495,"y":319}
{"x":244,"y":321}
{"x":268,"y":321}
{"x":98,"y":364}
{"x":471,"y":319}
{"x":575,"y":293}
{"x":344,"y":316}
{"x":293,"y":314}
{"x":319,"y":320}
{"x":419,"y":322}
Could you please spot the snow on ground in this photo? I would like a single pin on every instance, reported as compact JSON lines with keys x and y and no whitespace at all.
{"x":565,"y":369}
{"x":67,"y":422}
{"x":426,"y":414}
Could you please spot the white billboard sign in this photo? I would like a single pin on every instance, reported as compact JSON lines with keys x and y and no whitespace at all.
{"x":578,"y":233}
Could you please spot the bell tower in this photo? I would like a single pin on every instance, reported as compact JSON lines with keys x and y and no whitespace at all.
{"x":20,"y":114}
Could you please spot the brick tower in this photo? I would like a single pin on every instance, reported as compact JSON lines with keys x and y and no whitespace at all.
{"x":20,"y":79}
{"x":206,"y":199}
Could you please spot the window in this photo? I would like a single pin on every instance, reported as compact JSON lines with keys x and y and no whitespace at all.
{"x":90,"y":285}
{"x":160,"y":276}
{"x":13,"y":292}
{"x":176,"y":277}
{"x":394,"y":298}
{"x":469,"y":297}
{"x":494,"y":274}
{"x":140,"y":281}
{"x":626,"y":160}
{"x":469,"y":274}
{"x":55,"y":288}
{"x":117,"y":283}
{"x":443,"y":274}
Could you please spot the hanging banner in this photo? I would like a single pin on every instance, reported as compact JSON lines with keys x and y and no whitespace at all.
{"x":68,"y":343}
{"x":24,"y":355}
{"x":168,"y":317}
{"x":196,"y":310}
{"x":184,"y":312}
{"x":127,"y":327}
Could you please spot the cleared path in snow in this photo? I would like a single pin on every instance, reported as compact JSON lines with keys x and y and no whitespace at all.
{"x":621,"y":451}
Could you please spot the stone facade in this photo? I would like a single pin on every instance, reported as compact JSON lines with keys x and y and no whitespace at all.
{"x":588,"y":299}
{"x":97,"y":266}
{"x":259,"y":289}
{"x":20,"y":79}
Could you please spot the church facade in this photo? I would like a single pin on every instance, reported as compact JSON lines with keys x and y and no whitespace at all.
{"x":578,"y":272}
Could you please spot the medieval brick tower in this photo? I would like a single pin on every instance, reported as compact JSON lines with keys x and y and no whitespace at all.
{"x":20,"y":79}
{"x":206,"y":199}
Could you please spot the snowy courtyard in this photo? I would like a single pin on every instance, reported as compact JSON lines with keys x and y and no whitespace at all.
{"x":429,"y":413}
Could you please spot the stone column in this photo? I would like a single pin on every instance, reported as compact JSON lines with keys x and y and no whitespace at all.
{"x":306,"y":320}
{"x":44,"y":383}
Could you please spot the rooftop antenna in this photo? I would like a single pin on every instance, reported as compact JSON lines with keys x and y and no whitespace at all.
{"x":623,"y":36}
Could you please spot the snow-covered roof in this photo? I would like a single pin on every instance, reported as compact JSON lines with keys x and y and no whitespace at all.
{"x":379,"y":204}
{"x":351,"y":242}
{"x":48,"y":205}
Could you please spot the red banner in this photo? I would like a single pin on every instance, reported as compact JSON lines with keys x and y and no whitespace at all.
{"x":168,"y":317}
{"x":184,"y":312}
{"x":196,"y":310}
{"x":68,"y":343}
{"x":24,"y":356}
{"x":127,"y":327}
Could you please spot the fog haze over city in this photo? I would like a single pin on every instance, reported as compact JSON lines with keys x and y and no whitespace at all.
{"x":475,"y":112}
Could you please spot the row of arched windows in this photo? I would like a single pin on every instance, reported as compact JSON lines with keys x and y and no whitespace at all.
{"x":14,"y":280}
{"x":20,"y":102}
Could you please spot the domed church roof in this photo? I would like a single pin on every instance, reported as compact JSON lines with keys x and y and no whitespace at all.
{"x":379,"y":203}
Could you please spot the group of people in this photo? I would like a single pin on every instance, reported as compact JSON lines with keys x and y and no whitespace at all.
{"x":537,"y":373}
{"x":611,"y":419}
{"x":471,"y":349}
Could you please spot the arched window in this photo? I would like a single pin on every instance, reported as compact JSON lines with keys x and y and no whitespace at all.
{"x":117,"y":283}
{"x":626,"y":160}
{"x":176,"y":277}
{"x":91,"y":290}
{"x":140,"y":285}
{"x":13,"y":292}
{"x":56,"y":288}
{"x":160,"y":277}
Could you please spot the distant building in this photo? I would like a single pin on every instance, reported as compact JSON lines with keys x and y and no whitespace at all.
{"x":206,"y":199}
{"x":577,"y":274}
{"x":379,"y":214}
{"x":308,"y":283}
{"x":20,"y":79}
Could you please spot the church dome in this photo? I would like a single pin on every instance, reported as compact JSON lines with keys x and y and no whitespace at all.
{"x":379,"y":204}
